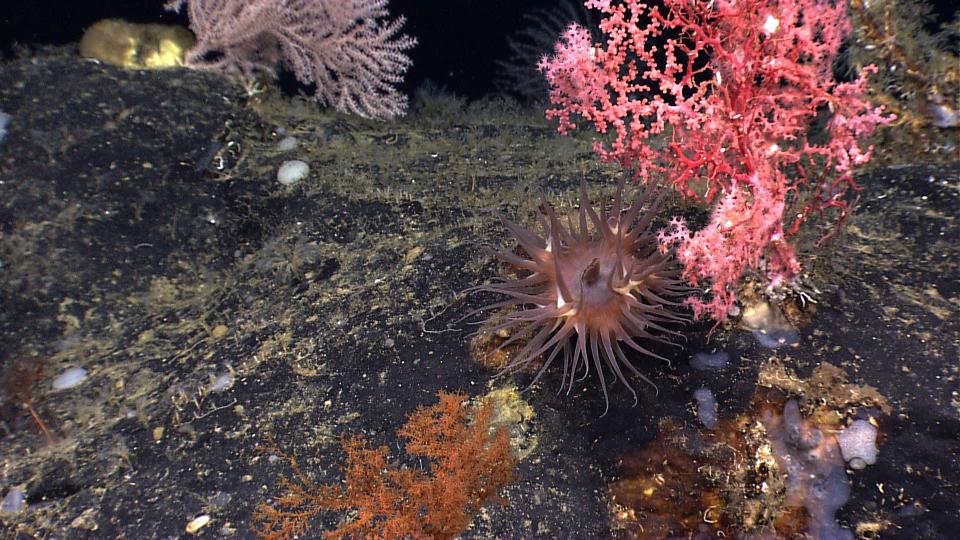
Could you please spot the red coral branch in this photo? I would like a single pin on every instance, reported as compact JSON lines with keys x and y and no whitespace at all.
{"x":717,"y":99}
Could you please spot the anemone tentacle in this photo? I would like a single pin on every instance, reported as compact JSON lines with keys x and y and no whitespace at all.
{"x":586,"y":287}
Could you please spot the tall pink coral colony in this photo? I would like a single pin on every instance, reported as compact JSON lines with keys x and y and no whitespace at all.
{"x":717,"y":98}
{"x":342,"y":46}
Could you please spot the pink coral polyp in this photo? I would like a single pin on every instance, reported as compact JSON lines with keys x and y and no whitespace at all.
{"x":589,"y":294}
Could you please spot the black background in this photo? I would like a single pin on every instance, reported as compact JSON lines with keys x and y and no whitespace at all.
{"x":459,"y":40}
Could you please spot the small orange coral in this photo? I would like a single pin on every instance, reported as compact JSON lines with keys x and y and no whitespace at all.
{"x":465,"y":465}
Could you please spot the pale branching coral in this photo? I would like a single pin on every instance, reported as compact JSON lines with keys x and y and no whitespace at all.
{"x":344,"y":47}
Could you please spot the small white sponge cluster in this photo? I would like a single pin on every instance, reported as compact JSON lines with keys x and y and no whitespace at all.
{"x":858,"y":444}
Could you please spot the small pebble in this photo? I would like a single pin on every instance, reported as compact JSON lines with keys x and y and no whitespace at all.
{"x":288,"y":144}
{"x":219,"y":331}
{"x":70,"y":378}
{"x":13,"y":502}
{"x":292,"y":172}
{"x":198,"y":523}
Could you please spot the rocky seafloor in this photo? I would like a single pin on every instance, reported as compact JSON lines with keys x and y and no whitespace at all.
{"x":145,"y":239}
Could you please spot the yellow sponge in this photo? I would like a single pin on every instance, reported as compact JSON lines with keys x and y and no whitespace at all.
{"x":136,"y":46}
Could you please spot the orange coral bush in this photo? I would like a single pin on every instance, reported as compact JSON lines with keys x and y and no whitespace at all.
{"x":464,"y":466}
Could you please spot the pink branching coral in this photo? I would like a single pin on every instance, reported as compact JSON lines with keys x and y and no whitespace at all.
{"x":717,"y":100}
{"x":342,"y":46}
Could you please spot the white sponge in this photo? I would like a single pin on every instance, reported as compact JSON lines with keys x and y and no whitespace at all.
{"x":858,"y":444}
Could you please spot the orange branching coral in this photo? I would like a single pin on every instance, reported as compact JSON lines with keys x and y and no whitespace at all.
{"x":465,"y":464}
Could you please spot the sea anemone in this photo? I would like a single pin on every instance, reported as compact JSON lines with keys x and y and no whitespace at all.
{"x":588,"y":292}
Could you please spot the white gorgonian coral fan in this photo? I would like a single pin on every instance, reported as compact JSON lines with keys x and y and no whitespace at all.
{"x":349,"y":50}
{"x":589,"y":294}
